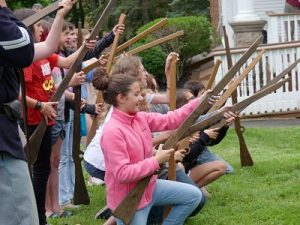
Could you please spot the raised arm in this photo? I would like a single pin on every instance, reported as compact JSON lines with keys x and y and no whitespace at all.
{"x":50,"y":45}
{"x":164,"y":98}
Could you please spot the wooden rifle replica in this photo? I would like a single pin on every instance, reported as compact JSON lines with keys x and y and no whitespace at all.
{"x":221,"y":101}
{"x":138,"y":49}
{"x":41,"y":14}
{"x":245,"y":157}
{"x":172,"y":105}
{"x":213,"y":74}
{"x":184,"y":143}
{"x":36,"y":137}
{"x":196,"y":127}
{"x":97,"y":120}
{"x":125,"y":45}
{"x":127,"y":208}
{"x":238,"y":107}
{"x":81,"y":195}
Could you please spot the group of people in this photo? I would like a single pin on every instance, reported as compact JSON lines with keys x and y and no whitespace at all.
{"x":134,"y":116}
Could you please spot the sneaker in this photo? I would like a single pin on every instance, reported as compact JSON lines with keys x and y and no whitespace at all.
{"x":95,"y":181}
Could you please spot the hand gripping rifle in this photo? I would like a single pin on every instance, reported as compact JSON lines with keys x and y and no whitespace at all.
{"x":128,"y":206}
{"x":36,"y":137}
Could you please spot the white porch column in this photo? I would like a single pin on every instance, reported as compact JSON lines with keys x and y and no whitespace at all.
{"x":245,"y":11}
{"x":247,"y":26}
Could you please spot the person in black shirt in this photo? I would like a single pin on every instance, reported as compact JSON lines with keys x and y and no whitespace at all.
{"x":18,"y":204}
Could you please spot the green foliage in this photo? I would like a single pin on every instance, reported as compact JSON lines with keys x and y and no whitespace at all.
{"x":154,"y":62}
{"x":25,"y":3}
{"x":188,"y":7}
{"x":196,"y":40}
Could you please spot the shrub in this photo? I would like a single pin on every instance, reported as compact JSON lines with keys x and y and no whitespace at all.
{"x":196,"y":40}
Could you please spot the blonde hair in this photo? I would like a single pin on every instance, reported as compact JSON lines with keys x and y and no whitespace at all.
{"x":131,"y":65}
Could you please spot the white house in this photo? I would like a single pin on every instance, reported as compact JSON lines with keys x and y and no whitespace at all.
{"x":282,"y":48}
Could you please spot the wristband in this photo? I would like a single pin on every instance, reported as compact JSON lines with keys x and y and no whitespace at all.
{"x":38,"y":106}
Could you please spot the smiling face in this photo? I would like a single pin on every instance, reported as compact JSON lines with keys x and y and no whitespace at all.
{"x":131,"y":102}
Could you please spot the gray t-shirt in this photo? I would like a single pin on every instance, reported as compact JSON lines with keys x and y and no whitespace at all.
{"x":57,"y":78}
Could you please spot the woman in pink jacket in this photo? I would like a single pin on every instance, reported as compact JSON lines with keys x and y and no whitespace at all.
{"x":128,"y":155}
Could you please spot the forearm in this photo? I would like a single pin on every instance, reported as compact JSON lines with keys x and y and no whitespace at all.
{"x":68,"y":61}
{"x":101,"y":45}
{"x":69,"y":96}
{"x":31,"y":102}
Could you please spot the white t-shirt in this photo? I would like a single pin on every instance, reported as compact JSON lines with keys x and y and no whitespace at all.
{"x":93,"y":153}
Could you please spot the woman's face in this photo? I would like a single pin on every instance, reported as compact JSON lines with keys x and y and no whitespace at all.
{"x":37,"y":31}
{"x":132,"y":101}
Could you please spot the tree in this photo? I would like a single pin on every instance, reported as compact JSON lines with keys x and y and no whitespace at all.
{"x":26,"y":3}
{"x":188,"y":8}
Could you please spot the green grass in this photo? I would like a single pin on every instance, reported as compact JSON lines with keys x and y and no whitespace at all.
{"x":267,"y":193}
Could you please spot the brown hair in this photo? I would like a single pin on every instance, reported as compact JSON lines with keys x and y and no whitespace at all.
{"x":150,"y":82}
{"x":194,"y":86}
{"x":181,"y":98}
{"x":131,"y":65}
{"x":112,"y":85}
{"x":23,"y":13}
{"x":128,"y":65}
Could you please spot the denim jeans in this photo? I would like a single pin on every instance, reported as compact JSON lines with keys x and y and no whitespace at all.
{"x":66,"y":169}
{"x":156,"y":212}
{"x":184,"y":198}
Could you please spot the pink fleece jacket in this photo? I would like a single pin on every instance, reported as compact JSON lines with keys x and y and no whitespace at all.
{"x":127,"y":147}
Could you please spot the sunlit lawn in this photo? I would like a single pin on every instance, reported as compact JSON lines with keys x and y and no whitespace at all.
{"x":267,"y":193}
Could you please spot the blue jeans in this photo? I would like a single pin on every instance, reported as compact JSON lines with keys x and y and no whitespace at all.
{"x":207,"y":156}
{"x":66,"y":169}
{"x":184,"y":198}
{"x":58,"y":131}
{"x":156,"y":212}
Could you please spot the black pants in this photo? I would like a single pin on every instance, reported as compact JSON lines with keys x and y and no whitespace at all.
{"x":40,"y":172}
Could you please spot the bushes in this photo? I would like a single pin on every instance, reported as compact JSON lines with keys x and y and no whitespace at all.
{"x":196,"y":40}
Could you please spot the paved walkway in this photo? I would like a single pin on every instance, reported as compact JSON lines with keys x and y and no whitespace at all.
{"x":270,"y":122}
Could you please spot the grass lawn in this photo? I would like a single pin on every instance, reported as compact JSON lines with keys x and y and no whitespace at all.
{"x":267,"y":193}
